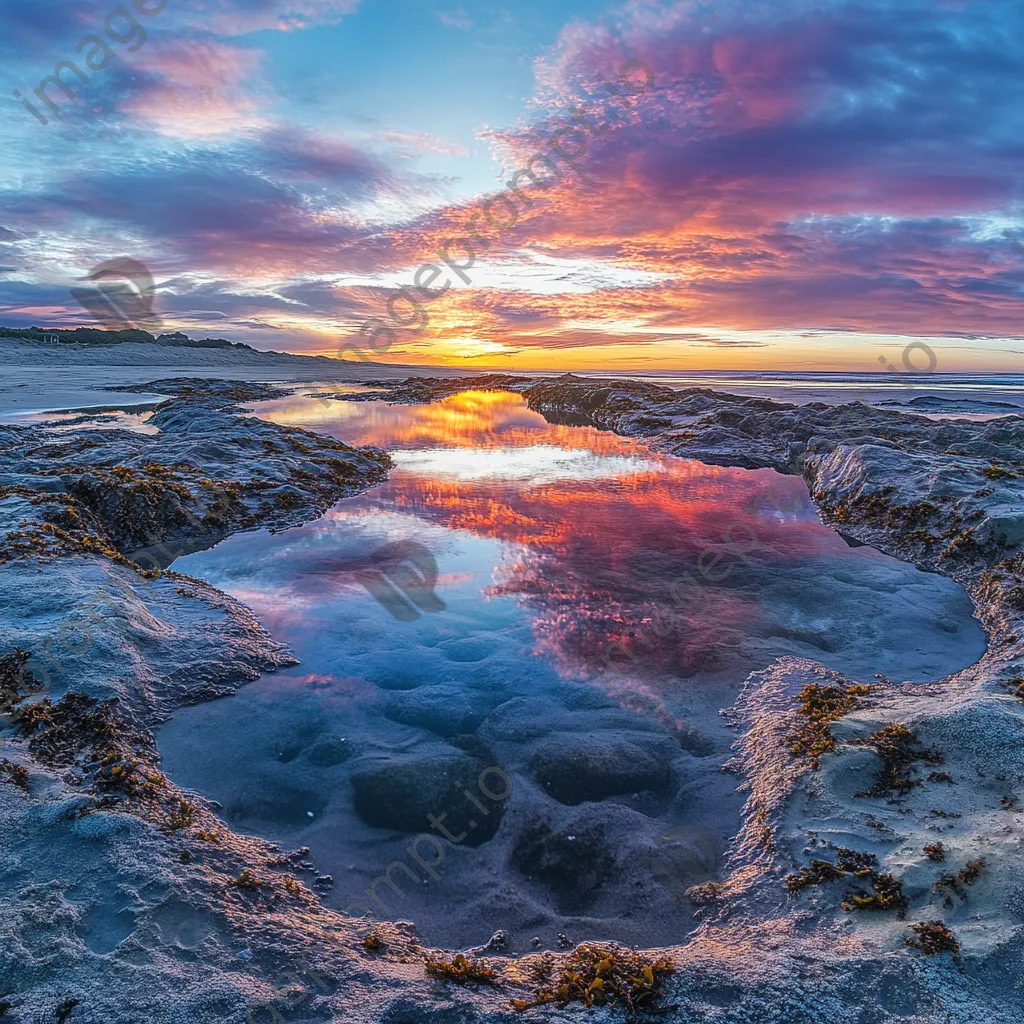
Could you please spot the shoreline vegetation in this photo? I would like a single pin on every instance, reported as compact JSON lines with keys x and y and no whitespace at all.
{"x":99,"y":336}
{"x":216,"y":917}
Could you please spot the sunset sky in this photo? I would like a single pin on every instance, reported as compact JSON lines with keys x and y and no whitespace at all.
{"x":781,"y":185}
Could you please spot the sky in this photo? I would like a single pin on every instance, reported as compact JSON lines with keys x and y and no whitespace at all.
{"x":731,"y":185}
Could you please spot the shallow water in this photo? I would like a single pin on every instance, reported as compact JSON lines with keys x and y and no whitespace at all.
{"x":569,"y":644}
{"x":134,"y":417}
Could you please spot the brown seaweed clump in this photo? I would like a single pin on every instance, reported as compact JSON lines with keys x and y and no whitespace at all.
{"x":886,"y":891}
{"x":60,"y":529}
{"x":934,"y":851}
{"x":16,"y":680}
{"x":14,"y":773}
{"x":820,"y":706}
{"x":886,"y":894}
{"x":953,"y":887}
{"x":900,"y":752}
{"x":597,"y":976}
{"x":461,"y":969}
{"x":848,"y":862}
{"x":819,"y":872}
{"x":90,"y":735}
{"x":933,"y":937}
{"x":1016,"y":684}
{"x":247,"y":880}
{"x":183,"y":815}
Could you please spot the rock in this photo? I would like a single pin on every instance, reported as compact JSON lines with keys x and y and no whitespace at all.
{"x":207,"y":471}
{"x":575,"y":769}
{"x":276,"y":805}
{"x":572,"y":862}
{"x":416,"y":794}
{"x":440,"y":709}
{"x":684,"y":856}
{"x":497,"y":943}
{"x":522,"y":718}
{"x":329,"y":751}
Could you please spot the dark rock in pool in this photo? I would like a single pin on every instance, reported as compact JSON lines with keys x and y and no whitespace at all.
{"x":575,"y":769}
{"x":571,"y":862}
{"x":684,"y":856}
{"x":439,"y":709}
{"x":275,"y":805}
{"x":328,"y":751}
{"x":415,"y":794}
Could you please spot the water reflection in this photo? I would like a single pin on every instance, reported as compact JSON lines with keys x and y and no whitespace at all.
{"x":574,"y":643}
{"x":634,"y":561}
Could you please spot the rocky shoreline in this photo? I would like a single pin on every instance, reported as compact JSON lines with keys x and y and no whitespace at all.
{"x":199,"y":924}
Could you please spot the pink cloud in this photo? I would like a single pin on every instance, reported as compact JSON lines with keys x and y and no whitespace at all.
{"x":199,"y":91}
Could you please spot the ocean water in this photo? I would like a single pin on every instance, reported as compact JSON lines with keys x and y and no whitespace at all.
{"x":549,"y":605}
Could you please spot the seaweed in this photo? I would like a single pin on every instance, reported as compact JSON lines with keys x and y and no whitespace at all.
{"x":822,"y":705}
{"x":876,"y":509}
{"x":848,"y":862}
{"x":16,"y":680}
{"x":933,"y":937}
{"x":817,"y":873}
{"x":856,"y":863}
{"x":934,"y":851}
{"x":886,"y":894}
{"x":900,"y":750}
{"x":461,"y":969}
{"x":1016,"y":684}
{"x":707,"y":894}
{"x":954,"y":886}
{"x":247,"y":880}
{"x":114,"y":753}
{"x":995,"y":472}
{"x":16,"y":774}
{"x":182,"y":816}
{"x":599,"y":976}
